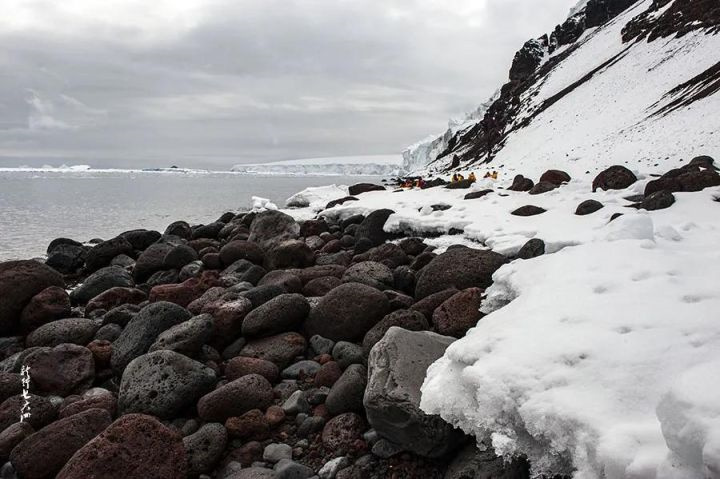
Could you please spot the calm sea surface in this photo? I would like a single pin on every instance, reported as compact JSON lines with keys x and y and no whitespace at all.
{"x":36,"y":207}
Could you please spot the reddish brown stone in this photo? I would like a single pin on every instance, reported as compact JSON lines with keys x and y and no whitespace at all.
{"x":115,"y":297}
{"x":101,"y":401}
{"x":48,"y":305}
{"x":281,"y":349}
{"x":56,"y":443}
{"x":101,"y":350}
{"x":240,"y":366}
{"x":246,"y":454}
{"x":134,"y":446}
{"x":458,"y":313}
{"x":328,"y":374}
{"x":185,"y":292}
{"x":253,"y":425}
{"x":12,"y":436}
{"x":62,"y":370}
{"x":236,"y":398}
{"x":342,"y":431}
{"x":275,"y":415}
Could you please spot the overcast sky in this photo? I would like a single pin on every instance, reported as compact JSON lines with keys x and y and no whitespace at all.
{"x":211,"y":83}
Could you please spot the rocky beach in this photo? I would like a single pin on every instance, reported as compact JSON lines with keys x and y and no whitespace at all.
{"x":259,"y":346}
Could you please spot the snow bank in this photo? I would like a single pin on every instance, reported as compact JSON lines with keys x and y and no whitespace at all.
{"x":599,"y":358}
{"x":316,"y":197}
{"x":375,"y":165}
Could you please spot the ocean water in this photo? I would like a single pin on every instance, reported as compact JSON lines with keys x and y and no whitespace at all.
{"x":38,"y":206}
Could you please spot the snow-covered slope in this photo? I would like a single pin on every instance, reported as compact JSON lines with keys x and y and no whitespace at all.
{"x":620,"y":82}
{"x":375,"y":165}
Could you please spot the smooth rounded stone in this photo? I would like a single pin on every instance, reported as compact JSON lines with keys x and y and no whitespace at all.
{"x":657,"y":201}
{"x":67,"y":258}
{"x":10,"y":385}
{"x":262,"y":294}
{"x":616,"y":177}
{"x":102,"y":253}
{"x":386,"y":449}
{"x":289,"y":254}
{"x":484,"y":464}
{"x":124,"y":261}
{"x":101,"y":281}
{"x":242,"y":270}
{"x":179,"y":256}
{"x":12,"y":436}
{"x":331,"y":247}
{"x":150,"y":261}
{"x":321,"y":286}
{"x":134,"y":446}
{"x":281,"y":349}
{"x":474,"y":195}
{"x":311,"y":425}
{"x":190,"y":270}
{"x":72,"y":330}
{"x":300,"y":369}
{"x":115,"y":297}
{"x":239,"y":249}
{"x":285,"y":312}
{"x":346,"y":395}
{"x":235,"y":398}
{"x":62,"y":370}
{"x":320,"y":345}
{"x":520,"y":183}
{"x":187,"y":337}
{"x":142,"y":331}
{"x":253,"y":473}
{"x":342,"y":431}
{"x":331,"y":468}
{"x":289,"y":469}
{"x":370,"y":273}
{"x":556,"y":177}
{"x":360,"y":188}
{"x":55,"y":444}
{"x":276,"y":452}
{"x":346,"y":353}
{"x":371,"y":228}
{"x":163,"y":383}
{"x":427,"y":305}
{"x":389,"y":254}
{"x":328,"y":374}
{"x":186,"y":292}
{"x":459,"y":313}
{"x":399,"y":300}
{"x":109,"y":332}
{"x":532,"y":249}
{"x":95,"y":398}
{"x":347,"y":312}
{"x":406,"y":319}
{"x":458,"y":268}
{"x":204,"y":448}
{"x":290,"y":281}
{"x":396,"y":371}
{"x":542,"y":187}
{"x":20,"y":281}
{"x":121,"y":315}
{"x":296,"y":404}
{"x":48,"y":305}
{"x":140,"y":239}
{"x":272,"y":227}
{"x":210,"y":230}
{"x":252,"y":425}
{"x":43,"y":411}
{"x":588,"y":207}
{"x":212,"y":261}
{"x":528,"y":210}
{"x":241,"y":366}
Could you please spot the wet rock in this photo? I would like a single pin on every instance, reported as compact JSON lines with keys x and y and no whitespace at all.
{"x":114,"y":297}
{"x":528,"y":210}
{"x":142,"y":331}
{"x":135,"y":445}
{"x":657,"y":201}
{"x":471,"y":462}
{"x":520,"y":183}
{"x":12,"y":436}
{"x":67,"y":258}
{"x":187,"y":337}
{"x":179,"y":256}
{"x":270,"y":228}
{"x":241,"y":366}
{"x":346,"y":395}
{"x":101,"y":281}
{"x":281,"y":349}
{"x":532,"y":249}
{"x":289,"y":254}
{"x":406,"y":319}
{"x":204,"y":448}
{"x":72,"y":330}
{"x":458,"y":268}
{"x":458,"y":313}
{"x":20,"y":281}
{"x":347,"y":312}
{"x":57,"y":443}
{"x":286,"y":312}
{"x":371,"y":229}
{"x":555,"y":177}
{"x":370,"y":273}
{"x":321,"y":286}
{"x":616,"y":177}
{"x":397,"y":367}
{"x":342,"y":431}
{"x":62,"y":370}
{"x":102,"y":253}
{"x":588,"y":207}
{"x":235,"y":398}
{"x":48,"y":305}
{"x":163,"y":383}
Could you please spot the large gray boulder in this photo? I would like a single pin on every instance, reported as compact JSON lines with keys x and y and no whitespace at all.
{"x":271,"y":228}
{"x":370,"y":273}
{"x":187,"y":337}
{"x":459,"y":268}
{"x":142,"y":331}
{"x":396,"y":371}
{"x":162,"y":383}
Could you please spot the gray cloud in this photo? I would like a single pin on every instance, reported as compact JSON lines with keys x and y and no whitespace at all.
{"x":213,"y":83}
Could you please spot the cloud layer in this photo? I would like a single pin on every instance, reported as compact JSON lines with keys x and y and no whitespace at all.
{"x":210,"y":83}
